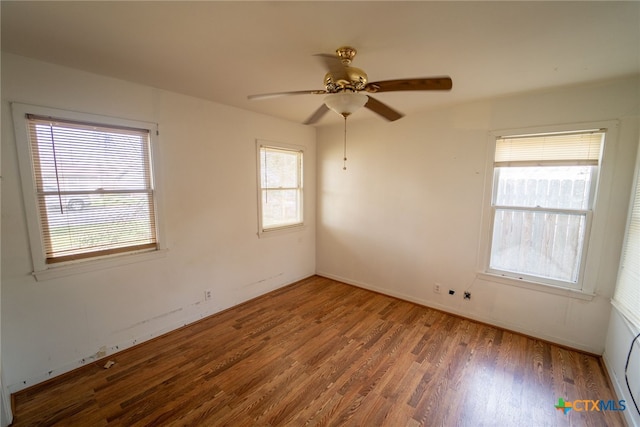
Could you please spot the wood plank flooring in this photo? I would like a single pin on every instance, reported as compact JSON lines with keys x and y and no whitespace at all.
{"x":322,"y":353}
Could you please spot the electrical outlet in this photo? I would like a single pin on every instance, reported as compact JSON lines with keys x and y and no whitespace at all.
{"x":207,"y":295}
{"x":467,"y":295}
{"x":436,"y":288}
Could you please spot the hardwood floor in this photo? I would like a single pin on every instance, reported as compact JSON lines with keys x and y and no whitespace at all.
{"x":322,"y":353}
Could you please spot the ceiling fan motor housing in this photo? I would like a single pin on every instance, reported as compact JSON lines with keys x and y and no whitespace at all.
{"x":353,"y":79}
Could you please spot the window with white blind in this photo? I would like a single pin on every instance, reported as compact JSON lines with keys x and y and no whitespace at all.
{"x":280,"y":186}
{"x":541,"y":206}
{"x":627,"y":294}
{"x":88,"y":185}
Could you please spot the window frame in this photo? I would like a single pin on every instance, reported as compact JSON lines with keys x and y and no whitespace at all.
{"x":41,"y":269}
{"x":586,"y":213}
{"x":624,"y":280}
{"x":595,"y":215}
{"x":274,"y":230}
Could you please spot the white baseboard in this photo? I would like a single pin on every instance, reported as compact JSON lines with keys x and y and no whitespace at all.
{"x":109,"y":351}
{"x":620,"y":392}
{"x":487,"y":320}
{"x":119,"y":347}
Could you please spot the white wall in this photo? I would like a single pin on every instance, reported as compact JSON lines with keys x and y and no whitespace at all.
{"x":407,"y":212}
{"x":619,"y":337}
{"x":208,"y":174}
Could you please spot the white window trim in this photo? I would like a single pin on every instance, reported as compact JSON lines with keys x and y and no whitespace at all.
{"x":629,"y":313}
{"x":593,"y":246}
{"x":42,"y":270}
{"x":274,"y":231}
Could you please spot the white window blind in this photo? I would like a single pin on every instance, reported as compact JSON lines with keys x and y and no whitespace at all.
{"x":627,"y":294}
{"x":280,"y":171}
{"x":94,"y":188}
{"x":568,"y":148}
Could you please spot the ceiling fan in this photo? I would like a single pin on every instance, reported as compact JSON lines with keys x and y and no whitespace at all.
{"x":344,"y":85}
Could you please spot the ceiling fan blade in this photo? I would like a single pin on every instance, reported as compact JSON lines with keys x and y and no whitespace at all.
{"x":430,"y":83}
{"x":279,"y":94}
{"x":334,"y":65}
{"x":317,"y":115}
{"x":383,"y":109}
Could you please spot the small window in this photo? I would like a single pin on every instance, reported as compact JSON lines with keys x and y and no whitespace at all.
{"x":542,"y":203}
{"x":280,"y":178}
{"x":90,"y":184}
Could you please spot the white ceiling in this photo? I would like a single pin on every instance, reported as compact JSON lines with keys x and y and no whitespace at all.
{"x":224,"y":51}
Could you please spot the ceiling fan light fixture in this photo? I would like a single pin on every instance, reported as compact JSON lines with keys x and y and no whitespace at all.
{"x":345,"y":103}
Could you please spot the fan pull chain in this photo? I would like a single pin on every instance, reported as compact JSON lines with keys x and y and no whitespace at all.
{"x":344,"y":160}
{"x":55,"y":165}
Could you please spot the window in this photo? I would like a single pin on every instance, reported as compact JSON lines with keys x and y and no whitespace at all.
{"x":280,"y":178}
{"x":627,"y":295}
{"x":541,"y":207}
{"x":88,"y":185}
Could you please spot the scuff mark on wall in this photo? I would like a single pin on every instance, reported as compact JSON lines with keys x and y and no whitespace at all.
{"x":142,"y":322}
{"x":263,"y":280}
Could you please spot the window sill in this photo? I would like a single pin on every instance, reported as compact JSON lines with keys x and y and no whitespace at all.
{"x":276,"y":231}
{"x":540,"y":287}
{"x":80,"y":267}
